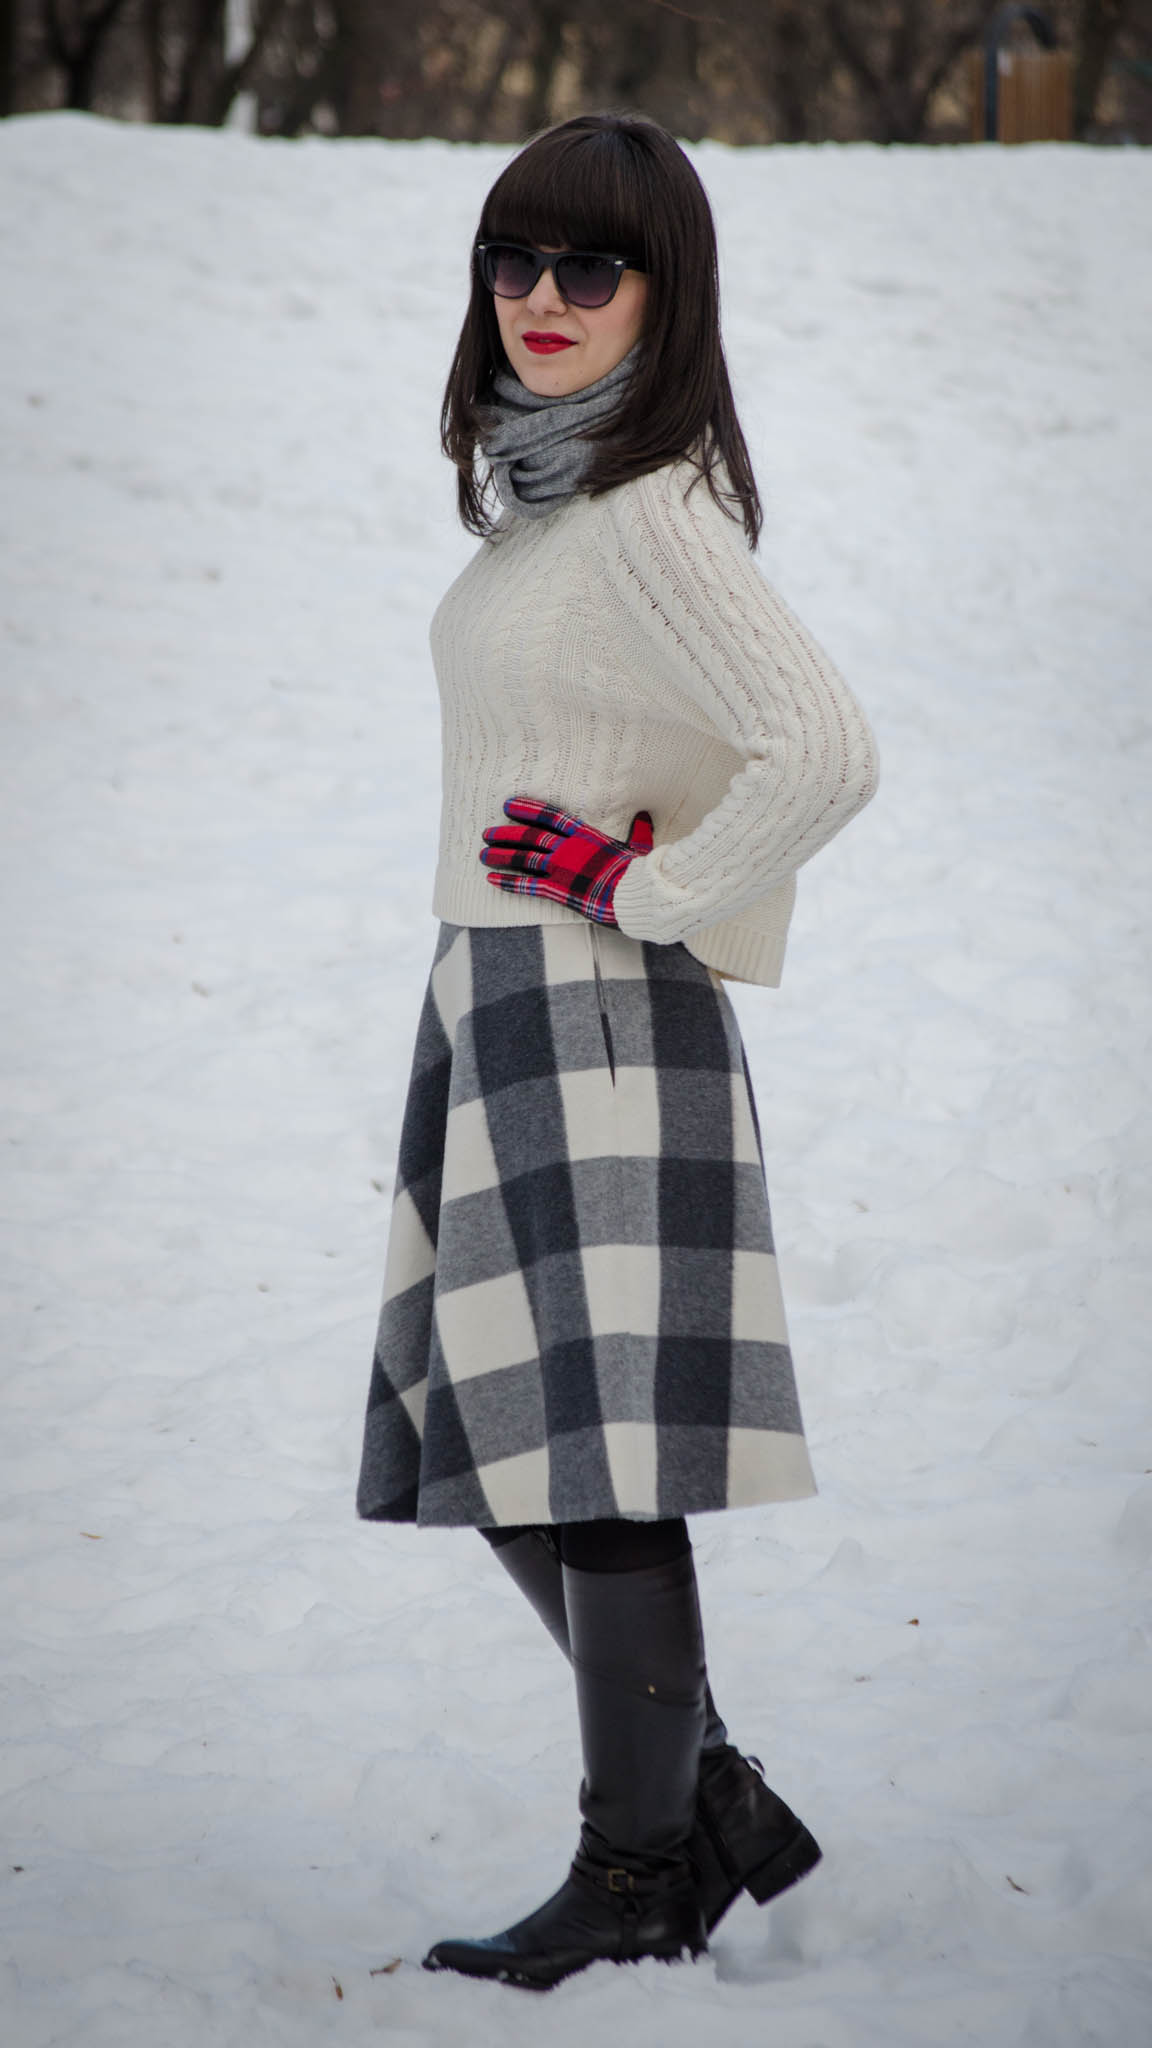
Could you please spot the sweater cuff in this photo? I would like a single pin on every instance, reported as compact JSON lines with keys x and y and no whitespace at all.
{"x":640,"y":912}
{"x":749,"y":946}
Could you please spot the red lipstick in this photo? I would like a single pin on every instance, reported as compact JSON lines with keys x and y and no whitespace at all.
{"x":546,"y":344}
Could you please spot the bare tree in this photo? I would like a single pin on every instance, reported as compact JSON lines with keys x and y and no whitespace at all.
{"x":378,"y":71}
{"x":7,"y":56}
{"x":499,"y":56}
{"x":495,"y":70}
{"x":192,"y":79}
{"x":899,"y":52}
{"x":188,"y":85}
{"x":76,"y":34}
{"x":796,"y":44}
{"x":543,"y":54}
{"x":768,"y":70}
{"x":1101,"y":23}
{"x":297,"y":82}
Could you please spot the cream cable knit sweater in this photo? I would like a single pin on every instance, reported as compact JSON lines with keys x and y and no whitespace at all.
{"x":625,"y":654}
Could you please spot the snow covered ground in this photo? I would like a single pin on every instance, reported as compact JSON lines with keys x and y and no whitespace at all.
{"x":257,"y":1756}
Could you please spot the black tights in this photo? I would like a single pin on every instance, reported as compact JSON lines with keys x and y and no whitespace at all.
{"x":608,"y":1546}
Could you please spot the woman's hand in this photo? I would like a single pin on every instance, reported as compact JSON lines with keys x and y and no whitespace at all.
{"x":545,"y":852}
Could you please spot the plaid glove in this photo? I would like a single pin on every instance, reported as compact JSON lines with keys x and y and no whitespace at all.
{"x":547,"y":853}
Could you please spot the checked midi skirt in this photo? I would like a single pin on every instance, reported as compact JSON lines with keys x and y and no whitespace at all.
{"x":582,"y":1315}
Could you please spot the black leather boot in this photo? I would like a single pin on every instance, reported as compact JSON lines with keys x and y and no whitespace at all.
{"x":745,"y":1837}
{"x":638,"y":1661}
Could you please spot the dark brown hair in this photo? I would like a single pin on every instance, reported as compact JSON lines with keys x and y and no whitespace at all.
{"x":621,"y":184}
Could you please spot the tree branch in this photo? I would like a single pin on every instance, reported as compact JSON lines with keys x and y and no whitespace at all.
{"x":74,"y":53}
{"x":962,"y":37}
{"x":209,"y":32}
{"x":852,"y":51}
{"x":236,"y":78}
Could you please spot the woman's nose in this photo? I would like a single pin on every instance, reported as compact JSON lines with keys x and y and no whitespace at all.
{"x":545,"y":297}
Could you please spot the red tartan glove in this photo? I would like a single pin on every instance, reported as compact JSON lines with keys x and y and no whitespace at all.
{"x":547,"y":853}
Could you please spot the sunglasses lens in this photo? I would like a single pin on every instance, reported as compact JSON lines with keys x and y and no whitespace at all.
{"x":586,"y":280}
{"x":510,"y":273}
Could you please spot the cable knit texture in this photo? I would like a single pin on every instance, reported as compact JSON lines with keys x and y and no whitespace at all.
{"x":624,"y":654}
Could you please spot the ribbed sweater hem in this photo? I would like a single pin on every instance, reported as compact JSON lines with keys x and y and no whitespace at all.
{"x":747,"y":952}
{"x":741,"y":952}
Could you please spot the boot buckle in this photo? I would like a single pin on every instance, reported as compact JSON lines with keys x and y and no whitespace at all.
{"x":618,"y":1880}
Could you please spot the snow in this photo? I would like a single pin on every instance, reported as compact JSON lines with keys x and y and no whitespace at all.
{"x":257,"y":1752}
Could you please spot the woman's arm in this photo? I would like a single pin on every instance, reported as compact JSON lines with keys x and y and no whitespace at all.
{"x":722,"y":635}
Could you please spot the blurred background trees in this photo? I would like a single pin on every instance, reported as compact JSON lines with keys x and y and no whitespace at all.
{"x":743,"y":71}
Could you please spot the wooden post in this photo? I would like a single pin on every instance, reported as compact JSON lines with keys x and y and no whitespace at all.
{"x":1034,"y":100}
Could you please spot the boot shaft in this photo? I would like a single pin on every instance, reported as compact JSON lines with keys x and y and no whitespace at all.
{"x":638,"y":1660}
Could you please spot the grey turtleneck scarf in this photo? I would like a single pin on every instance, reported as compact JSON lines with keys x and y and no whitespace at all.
{"x":535,"y":445}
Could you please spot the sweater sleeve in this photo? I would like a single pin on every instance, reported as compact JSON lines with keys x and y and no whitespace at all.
{"x":723,"y":636}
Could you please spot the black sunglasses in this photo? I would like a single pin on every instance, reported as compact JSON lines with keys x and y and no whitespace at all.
{"x":583,"y":279}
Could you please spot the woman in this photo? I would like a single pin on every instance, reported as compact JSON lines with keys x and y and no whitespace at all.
{"x":582,"y":1338}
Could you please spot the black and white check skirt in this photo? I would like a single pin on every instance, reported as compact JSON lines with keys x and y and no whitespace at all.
{"x":582,"y":1315}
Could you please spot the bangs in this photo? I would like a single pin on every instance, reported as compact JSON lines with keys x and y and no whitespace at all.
{"x":573,"y":191}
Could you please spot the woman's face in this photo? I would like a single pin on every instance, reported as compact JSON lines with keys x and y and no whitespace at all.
{"x":598,"y":337}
